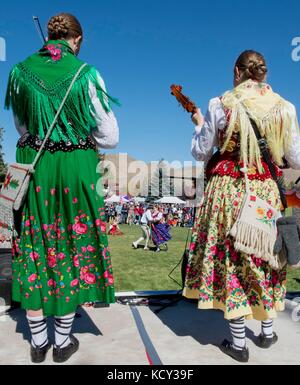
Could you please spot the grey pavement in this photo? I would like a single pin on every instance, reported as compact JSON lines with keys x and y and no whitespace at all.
{"x":180,"y":335}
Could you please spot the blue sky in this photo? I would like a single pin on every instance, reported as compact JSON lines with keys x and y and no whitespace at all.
{"x":141,"y":47}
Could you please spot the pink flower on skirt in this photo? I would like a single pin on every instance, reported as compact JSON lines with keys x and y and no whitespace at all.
{"x":83,"y":249}
{"x":91,"y":249}
{"x":67,"y":190}
{"x":234,"y":256}
{"x":234,"y":282}
{"x":61,"y":256}
{"x":50,"y":283}
{"x":80,"y":228}
{"x":83,"y":272}
{"x":27,"y":223}
{"x":32,"y":278}
{"x":51,"y":262}
{"x":90,"y":278}
{"x":75,"y":283}
{"x":34,"y":256}
{"x":101,"y":224}
{"x":53,"y":191}
{"x":76,"y":261}
{"x":38,"y":189}
{"x":214,"y":250}
{"x":45,"y":227}
{"x":75,"y":200}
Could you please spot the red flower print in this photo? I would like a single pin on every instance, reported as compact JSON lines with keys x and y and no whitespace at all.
{"x":90,"y":279}
{"x":27,"y":223}
{"x":76,"y":261}
{"x":110,"y":280}
{"x":275,"y":279}
{"x":80,"y":228}
{"x":270,"y":214}
{"x":67,"y":190}
{"x":38,"y":189}
{"x":91,"y":249}
{"x":214,"y":250}
{"x":234,"y":256}
{"x":257,"y":261}
{"x":51,"y":258}
{"x":32,"y":278}
{"x":101,"y":224}
{"x":75,"y":283}
{"x":50,"y":283}
{"x":83,"y":272}
{"x":75,"y":200}
{"x":34,"y":256}
{"x":234,"y":282}
{"x":53,"y":191}
{"x":61,"y":256}
{"x":221,"y":256}
{"x":55,"y":52}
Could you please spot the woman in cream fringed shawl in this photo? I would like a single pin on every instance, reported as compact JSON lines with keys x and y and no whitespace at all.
{"x":242,"y":286}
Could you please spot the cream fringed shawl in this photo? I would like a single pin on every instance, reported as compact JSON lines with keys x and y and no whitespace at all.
{"x":269,"y":111}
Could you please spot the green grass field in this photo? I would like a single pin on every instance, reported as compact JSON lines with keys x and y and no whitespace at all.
{"x":147,"y":270}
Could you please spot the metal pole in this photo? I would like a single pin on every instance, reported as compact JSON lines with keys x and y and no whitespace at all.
{"x":39,"y":28}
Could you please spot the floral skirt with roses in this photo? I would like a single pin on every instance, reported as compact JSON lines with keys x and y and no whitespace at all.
{"x":61,"y":257}
{"x":218,"y":276}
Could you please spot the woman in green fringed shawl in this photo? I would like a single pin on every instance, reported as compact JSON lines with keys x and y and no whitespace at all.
{"x":61,"y":257}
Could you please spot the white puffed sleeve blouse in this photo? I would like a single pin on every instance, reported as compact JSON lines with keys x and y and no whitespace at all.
{"x":206,"y":137}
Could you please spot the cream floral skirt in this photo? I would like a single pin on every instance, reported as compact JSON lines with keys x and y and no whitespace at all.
{"x":218,"y":276}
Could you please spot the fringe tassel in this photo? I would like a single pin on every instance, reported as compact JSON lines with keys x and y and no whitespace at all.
{"x":35,"y":104}
{"x":251,"y":240}
{"x":275,"y":126}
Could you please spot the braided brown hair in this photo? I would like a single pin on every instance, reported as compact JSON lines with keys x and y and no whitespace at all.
{"x":64,"y":26}
{"x":252,"y":65}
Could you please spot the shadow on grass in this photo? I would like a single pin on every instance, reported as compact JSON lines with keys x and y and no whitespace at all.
{"x":82,"y":324}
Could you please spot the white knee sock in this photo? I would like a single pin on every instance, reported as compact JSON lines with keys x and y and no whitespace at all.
{"x":63,"y":326}
{"x":267,"y":328}
{"x":39,"y":333}
{"x":238,"y":332}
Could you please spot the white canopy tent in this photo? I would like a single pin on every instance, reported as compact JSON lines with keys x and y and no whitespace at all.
{"x":116,"y":199}
{"x":171,"y":200}
{"x":139,"y":200}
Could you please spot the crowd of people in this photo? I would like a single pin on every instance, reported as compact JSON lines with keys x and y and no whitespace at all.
{"x":131,"y":214}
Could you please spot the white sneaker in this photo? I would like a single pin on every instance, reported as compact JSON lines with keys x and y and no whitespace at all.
{"x":146,"y":248}
{"x":157,"y":250}
{"x":134,"y":245}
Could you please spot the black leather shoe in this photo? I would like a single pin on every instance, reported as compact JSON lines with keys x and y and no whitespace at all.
{"x":38,"y":355}
{"x":238,"y":355}
{"x":266,"y":343}
{"x":63,"y":354}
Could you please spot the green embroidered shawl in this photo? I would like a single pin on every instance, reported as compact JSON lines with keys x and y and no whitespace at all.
{"x":37,"y":86}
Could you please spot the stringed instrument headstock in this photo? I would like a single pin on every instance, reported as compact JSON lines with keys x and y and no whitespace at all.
{"x":184,"y":100}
